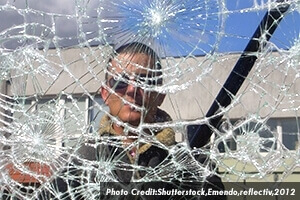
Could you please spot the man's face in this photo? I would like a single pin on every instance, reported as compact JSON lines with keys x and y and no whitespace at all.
{"x":129,"y":102}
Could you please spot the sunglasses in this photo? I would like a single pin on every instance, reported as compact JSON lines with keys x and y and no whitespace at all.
{"x":143,"y":79}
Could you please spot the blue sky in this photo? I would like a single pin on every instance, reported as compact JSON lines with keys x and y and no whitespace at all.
{"x":243,"y":25}
{"x":239,"y":26}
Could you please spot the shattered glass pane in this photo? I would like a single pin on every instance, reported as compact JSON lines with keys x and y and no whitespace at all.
{"x":79,"y":110}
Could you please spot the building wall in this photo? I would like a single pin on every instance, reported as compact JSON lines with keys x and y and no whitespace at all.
{"x":80,"y":72}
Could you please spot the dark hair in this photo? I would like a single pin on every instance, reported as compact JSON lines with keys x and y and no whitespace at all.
{"x":137,"y":47}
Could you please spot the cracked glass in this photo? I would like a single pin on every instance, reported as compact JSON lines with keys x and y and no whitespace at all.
{"x":99,"y":91}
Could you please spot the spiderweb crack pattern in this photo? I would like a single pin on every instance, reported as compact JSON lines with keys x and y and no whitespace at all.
{"x":53,"y":64}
